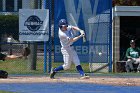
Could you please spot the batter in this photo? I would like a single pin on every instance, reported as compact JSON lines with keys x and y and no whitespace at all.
{"x":67,"y":39}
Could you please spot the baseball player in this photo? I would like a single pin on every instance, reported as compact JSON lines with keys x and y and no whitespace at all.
{"x":133,"y":57}
{"x":8,"y":57}
{"x":69,"y":54}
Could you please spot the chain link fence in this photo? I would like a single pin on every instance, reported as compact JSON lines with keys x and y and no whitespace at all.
{"x":10,"y":44}
{"x":81,"y":16}
{"x":94,"y":17}
{"x":22,"y":65}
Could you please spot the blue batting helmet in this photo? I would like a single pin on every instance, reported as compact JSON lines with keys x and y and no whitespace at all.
{"x":62,"y":22}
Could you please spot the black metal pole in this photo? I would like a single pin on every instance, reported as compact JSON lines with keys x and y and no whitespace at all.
{"x":33,"y":56}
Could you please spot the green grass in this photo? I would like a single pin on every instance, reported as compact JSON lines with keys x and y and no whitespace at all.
{"x":20,"y":66}
{"x":6,"y":92}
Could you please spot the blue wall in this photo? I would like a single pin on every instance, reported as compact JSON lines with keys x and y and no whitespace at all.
{"x":93,"y":16}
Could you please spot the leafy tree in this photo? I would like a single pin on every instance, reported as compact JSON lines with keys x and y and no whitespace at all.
{"x":9,"y":25}
{"x":126,"y":2}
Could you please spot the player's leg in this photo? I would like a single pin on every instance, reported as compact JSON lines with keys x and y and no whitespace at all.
{"x":138,"y":62}
{"x":66,"y":58}
{"x":65,"y":66}
{"x":79,"y":68}
{"x":130,"y":64}
{"x":76,"y":61}
{"x":55,"y":70}
{"x":127,"y":68}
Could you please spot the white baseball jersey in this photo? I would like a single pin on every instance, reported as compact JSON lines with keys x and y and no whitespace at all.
{"x":65,"y":36}
{"x":68,"y":52}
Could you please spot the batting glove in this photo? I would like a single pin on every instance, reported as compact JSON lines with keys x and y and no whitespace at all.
{"x":82,"y":32}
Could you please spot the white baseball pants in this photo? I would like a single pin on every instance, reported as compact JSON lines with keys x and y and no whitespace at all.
{"x":69,"y":56}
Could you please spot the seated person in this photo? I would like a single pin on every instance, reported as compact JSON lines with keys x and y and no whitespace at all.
{"x":6,"y":57}
{"x":133,"y":57}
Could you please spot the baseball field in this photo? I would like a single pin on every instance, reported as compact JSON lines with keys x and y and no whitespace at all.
{"x":37,"y":29}
{"x":22,"y":80}
{"x":71,"y":83}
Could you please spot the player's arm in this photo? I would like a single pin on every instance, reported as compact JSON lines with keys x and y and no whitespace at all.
{"x":67,"y":40}
{"x":75,"y":28}
{"x":127,"y":54}
{"x":78,"y":29}
{"x":81,"y":31}
{"x":75,"y":38}
{"x":10,"y":57}
{"x":138,"y":51}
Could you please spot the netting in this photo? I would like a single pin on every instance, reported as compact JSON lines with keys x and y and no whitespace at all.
{"x":32,"y":60}
{"x":94,"y":17}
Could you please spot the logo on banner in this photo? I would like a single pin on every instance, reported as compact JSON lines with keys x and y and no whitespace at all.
{"x":33,"y":23}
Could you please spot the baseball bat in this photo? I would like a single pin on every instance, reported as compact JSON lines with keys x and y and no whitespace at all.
{"x":74,"y":23}
{"x":84,"y":39}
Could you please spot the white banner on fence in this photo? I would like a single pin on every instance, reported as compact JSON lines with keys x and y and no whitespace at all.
{"x":33,"y":24}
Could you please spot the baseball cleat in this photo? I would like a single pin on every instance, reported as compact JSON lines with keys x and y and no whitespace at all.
{"x":85,"y":77}
{"x":52,"y":73}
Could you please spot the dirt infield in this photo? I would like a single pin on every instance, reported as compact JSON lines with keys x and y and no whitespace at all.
{"x":95,"y":80}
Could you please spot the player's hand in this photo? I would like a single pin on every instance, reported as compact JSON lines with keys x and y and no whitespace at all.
{"x":82,"y":32}
{"x":81,"y":35}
